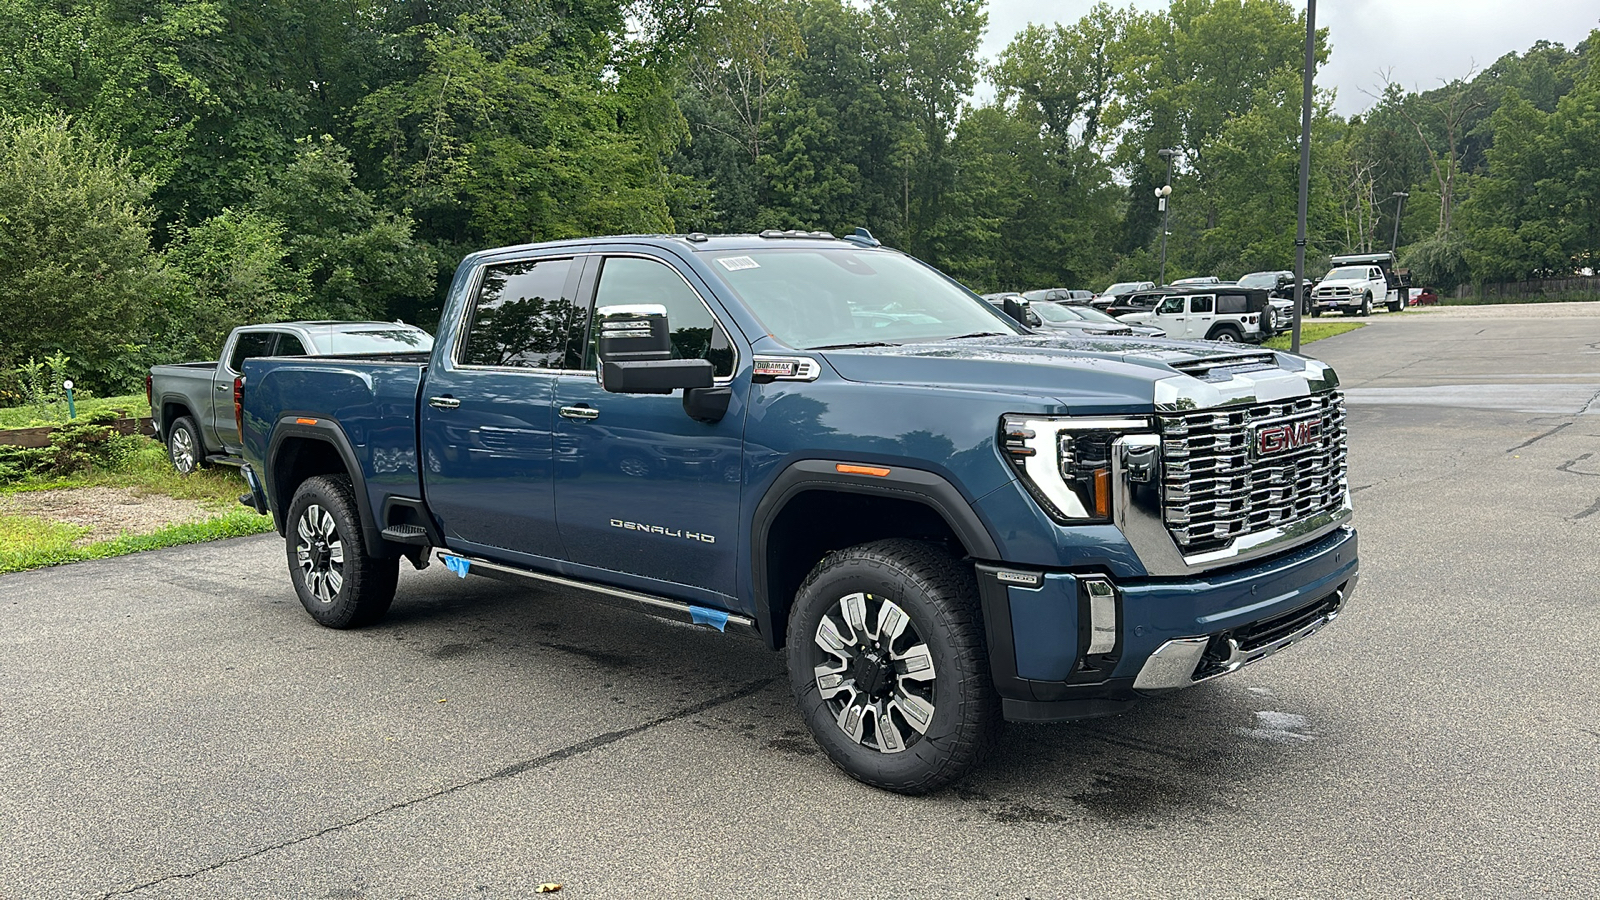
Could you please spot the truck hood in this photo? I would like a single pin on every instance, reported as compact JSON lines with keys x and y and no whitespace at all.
{"x":1082,"y":372}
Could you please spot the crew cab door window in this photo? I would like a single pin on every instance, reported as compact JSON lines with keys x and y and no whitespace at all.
{"x":289,"y":345}
{"x":1201,"y":304}
{"x":627,"y":280}
{"x":520,"y":316}
{"x":250,"y":345}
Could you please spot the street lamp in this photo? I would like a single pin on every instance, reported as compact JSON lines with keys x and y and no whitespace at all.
{"x":1394,"y":242}
{"x":1163,"y":194}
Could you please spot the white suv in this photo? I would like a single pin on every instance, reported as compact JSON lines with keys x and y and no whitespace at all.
{"x":1211,"y":313}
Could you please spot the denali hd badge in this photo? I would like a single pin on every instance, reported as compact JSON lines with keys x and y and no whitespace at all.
{"x":1270,"y":440}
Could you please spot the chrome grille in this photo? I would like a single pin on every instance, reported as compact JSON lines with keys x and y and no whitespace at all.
{"x":1217,"y":486}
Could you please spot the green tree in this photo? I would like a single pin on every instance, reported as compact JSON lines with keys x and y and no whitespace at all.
{"x":232,"y":269}
{"x":75,"y":229}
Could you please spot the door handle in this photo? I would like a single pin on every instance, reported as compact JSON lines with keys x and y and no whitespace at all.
{"x":443,"y":402}
{"x":221,"y":387}
{"x":585,"y":413}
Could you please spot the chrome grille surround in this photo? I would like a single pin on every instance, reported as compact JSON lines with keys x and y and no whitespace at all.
{"x":1216,"y":489}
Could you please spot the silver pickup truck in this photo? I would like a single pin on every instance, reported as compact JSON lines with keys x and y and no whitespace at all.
{"x":191,"y":404}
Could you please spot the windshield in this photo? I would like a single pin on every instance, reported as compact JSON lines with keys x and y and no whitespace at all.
{"x":375,"y":340}
{"x":1051,"y":312}
{"x":813,"y":299}
{"x":1259,"y":280}
{"x":1121,"y":287}
{"x":1347,"y":273}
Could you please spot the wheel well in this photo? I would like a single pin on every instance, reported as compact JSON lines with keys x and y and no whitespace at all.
{"x":1224,"y":326}
{"x":171,"y":412}
{"x":298,"y":459}
{"x":817,"y":522}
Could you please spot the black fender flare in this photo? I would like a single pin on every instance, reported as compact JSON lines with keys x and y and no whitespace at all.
{"x":900,"y":482}
{"x":328,"y":432}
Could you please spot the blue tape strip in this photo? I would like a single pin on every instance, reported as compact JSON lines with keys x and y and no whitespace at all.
{"x":457,"y":565}
{"x":715,"y":618}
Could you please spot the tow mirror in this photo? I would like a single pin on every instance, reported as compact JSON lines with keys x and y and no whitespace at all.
{"x":635,"y":350}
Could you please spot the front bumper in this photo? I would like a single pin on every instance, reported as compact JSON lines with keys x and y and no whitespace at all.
{"x":1170,"y":633}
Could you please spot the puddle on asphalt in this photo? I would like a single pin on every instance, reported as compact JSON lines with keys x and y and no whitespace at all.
{"x":1561,"y":399}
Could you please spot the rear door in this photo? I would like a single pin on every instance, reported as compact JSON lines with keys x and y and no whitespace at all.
{"x":641,"y":488}
{"x":488,"y":454}
{"x":221,"y":430}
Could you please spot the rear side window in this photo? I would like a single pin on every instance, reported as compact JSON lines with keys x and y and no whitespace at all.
{"x":520,"y":316}
{"x":1200,"y":304}
{"x":289,"y":345}
{"x":250,"y":345}
{"x":626,"y":280}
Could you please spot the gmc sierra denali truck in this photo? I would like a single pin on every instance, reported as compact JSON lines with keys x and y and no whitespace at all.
{"x":945,"y":522}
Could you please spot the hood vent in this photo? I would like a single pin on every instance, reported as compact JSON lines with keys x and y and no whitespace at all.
{"x":1222,"y":368}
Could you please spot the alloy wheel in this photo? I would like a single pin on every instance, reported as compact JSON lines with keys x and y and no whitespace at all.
{"x":320,"y":553}
{"x":183,"y":454}
{"x":875,"y":673}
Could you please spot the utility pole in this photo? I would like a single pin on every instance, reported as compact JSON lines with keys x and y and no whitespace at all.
{"x":1164,"y":197}
{"x":1305,"y":172}
{"x":1394,"y":242}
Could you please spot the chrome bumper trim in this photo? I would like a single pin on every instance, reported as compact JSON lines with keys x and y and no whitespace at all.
{"x":1174,"y":663}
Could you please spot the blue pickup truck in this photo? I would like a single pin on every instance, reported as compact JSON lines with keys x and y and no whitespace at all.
{"x":945,"y":521}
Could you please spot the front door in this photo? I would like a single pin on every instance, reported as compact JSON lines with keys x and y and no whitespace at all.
{"x":641,"y":488}
{"x":488,"y":456}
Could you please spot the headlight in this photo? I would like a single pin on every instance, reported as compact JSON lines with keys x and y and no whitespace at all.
{"x":1065,"y":462}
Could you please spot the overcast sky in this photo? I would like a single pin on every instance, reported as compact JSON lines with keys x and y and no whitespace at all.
{"x":1420,"y":42}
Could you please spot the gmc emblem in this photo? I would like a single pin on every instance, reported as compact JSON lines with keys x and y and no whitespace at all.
{"x":1271,"y":440}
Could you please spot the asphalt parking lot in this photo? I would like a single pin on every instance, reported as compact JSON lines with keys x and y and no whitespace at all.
{"x":175,"y":726}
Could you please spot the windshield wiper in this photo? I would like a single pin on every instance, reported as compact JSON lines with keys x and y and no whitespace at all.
{"x":977,"y":334}
{"x":855,"y":346}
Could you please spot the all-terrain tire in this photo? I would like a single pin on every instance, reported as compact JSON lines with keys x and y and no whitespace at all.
{"x":338,"y":582}
{"x":184,"y":447}
{"x":938,"y":595}
{"x":1366,"y":304}
{"x":1227,"y":334}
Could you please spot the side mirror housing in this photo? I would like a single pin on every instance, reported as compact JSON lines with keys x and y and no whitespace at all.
{"x":655,"y":376}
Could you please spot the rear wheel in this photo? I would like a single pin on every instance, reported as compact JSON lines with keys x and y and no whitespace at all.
{"x":1227,"y":334}
{"x":338,"y":582}
{"x":184,"y":447}
{"x":888,"y":664}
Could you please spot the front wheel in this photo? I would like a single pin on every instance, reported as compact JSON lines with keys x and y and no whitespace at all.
{"x":888,"y":664}
{"x":338,"y":582}
{"x":1366,"y":305}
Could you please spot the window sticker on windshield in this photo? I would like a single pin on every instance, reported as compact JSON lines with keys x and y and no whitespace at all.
{"x":735,"y":263}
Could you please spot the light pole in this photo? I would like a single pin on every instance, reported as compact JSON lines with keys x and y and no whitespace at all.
{"x":1305,"y":170}
{"x":1163,"y":197}
{"x":1394,"y":242}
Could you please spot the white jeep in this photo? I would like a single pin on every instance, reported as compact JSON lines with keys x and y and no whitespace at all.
{"x":1213,"y":312}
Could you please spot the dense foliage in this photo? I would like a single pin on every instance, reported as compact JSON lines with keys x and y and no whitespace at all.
{"x":171,"y":169}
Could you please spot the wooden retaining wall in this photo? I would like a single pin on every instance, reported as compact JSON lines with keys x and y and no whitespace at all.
{"x":40,"y":437}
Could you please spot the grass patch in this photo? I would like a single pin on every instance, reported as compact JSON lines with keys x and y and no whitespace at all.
{"x":135,"y":405}
{"x":27,"y":542}
{"x":1311,"y":331}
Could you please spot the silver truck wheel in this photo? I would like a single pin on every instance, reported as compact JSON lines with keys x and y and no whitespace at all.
{"x":338,"y":582}
{"x":888,"y":663}
{"x":184,"y":447}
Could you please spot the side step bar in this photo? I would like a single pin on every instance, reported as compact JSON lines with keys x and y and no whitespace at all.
{"x":660,"y":607}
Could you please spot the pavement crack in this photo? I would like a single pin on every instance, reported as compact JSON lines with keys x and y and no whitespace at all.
{"x":1588,"y":512}
{"x":1567,"y":466}
{"x":568,"y":752}
{"x":1539,"y":438}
